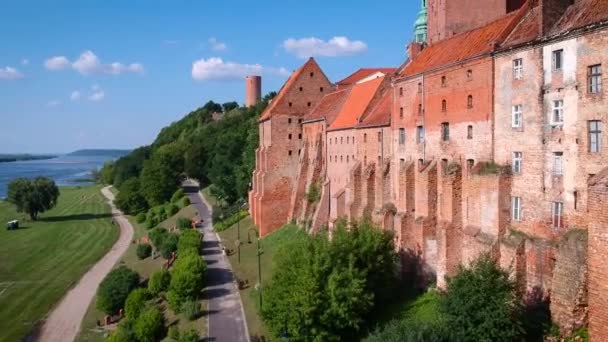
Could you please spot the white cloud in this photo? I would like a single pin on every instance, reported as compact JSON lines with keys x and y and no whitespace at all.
{"x":217,"y":45}
{"x":215,"y":69}
{"x":25,"y":61}
{"x":75,"y":96}
{"x":88,"y":63}
{"x":53,"y":103}
{"x":8,"y":73}
{"x":335,"y":47}
{"x":57,"y":63}
{"x":97,"y":96}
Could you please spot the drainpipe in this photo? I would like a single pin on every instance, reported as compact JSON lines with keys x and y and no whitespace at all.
{"x":423,"y":122}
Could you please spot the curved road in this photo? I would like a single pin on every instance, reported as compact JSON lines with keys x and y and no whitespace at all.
{"x":64,"y":321}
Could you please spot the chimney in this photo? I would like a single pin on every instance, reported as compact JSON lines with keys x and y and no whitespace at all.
{"x":550,"y":12}
{"x":253,"y":90}
{"x":414,"y":49}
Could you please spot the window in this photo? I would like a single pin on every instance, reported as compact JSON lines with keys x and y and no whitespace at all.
{"x":341,"y":160}
{"x":288,"y":121}
{"x":575,"y":200}
{"x":470,"y":101}
{"x":444,"y":81}
{"x":470,"y":164}
{"x":445,"y":131}
{"x":557,"y":114}
{"x":401,"y":163}
{"x":444,"y":166}
{"x":379,"y":136}
{"x":469,"y":74}
{"x":347,"y":158}
{"x":444,"y":106}
{"x":401,"y":112}
{"x":419,"y":134}
{"x":312,"y":74}
{"x":558,"y":163}
{"x":516,"y":208}
{"x":289,"y":152}
{"x":365,"y":137}
{"x":379,"y":160}
{"x":301,"y":89}
{"x":341,"y":140}
{"x":518,"y":69}
{"x":300,"y":120}
{"x":557,"y":214}
{"x":420,"y":87}
{"x":469,"y":132}
{"x":309,"y":104}
{"x":517,"y":162}
{"x":347,"y":140}
{"x":420,"y":108}
{"x":558,"y":56}
{"x":336,"y":140}
{"x":300,"y":136}
{"x":353,"y":140}
{"x":290,"y":104}
{"x":289,"y":136}
{"x":595,"y":79}
{"x":401,"y":136}
{"x":321,"y":89}
{"x":516,"y":116}
{"x":595,"y":136}
{"x":401,"y":91}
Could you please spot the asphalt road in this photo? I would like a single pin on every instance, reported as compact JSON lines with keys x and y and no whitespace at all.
{"x":226,"y":318}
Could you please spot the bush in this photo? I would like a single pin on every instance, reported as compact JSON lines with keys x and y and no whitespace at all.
{"x":115,"y":288}
{"x":189,"y":241}
{"x":190,"y":336}
{"x":143,"y":251}
{"x":185,"y":202}
{"x":230,"y":221}
{"x":184,"y":223}
{"x":177,"y":195}
{"x":171,"y":209}
{"x":174,"y":333}
{"x":314,"y":193}
{"x":150,"y":325}
{"x":140,"y":218}
{"x":168,"y":246}
{"x":157,"y":236}
{"x":136,"y":303}
{"x":159,"y":282}
{"x":124,"y":333}
{"x":130,"y":199}
{"x":186,"y":279}
{"x":151,"y":222}
{"x":191,"y":309}
{"x":412,"y":330}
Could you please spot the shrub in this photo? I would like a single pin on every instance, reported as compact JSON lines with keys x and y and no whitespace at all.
{"x":140,"y":218}
{"x":412,"y":330}
{"x":190,"y":336}
{"x":115,"y":288}
{"x":191,"y":309}
{"x":177,"y":195}
{"x":314,"y":193}
{"x":159,"y":282}
{"x":186,"y":279}
{"x":124,"y":333}
{"x":171,"y":209}
{"x":143,"y":251}
{"x":151,"y":222}
{"x":185,"y":202}
{"x":157,"y":236}
{"x":136,"y":303}
{"x":150,"y":325}
{"x":189,"y":241}
{"x":184,"y":223}
{"x":168,"y":246}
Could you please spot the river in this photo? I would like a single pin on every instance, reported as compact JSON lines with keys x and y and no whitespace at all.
{"x":65,"y":170}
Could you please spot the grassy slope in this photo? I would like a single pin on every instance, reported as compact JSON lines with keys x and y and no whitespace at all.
{"x":247,"y":269}
{"x":40,"y":262}
{"x":145,"y":268}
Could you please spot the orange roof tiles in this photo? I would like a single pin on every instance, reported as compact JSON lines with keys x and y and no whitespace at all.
{"x":463,"y":46}
{"x":329,"y":107}
{"x":362,"y":74}
{"x":356,"y":104}
{"x":380,"y":115}
{"x":526,"y":31}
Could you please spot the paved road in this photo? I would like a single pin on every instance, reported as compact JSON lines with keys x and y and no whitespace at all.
{"x":63,"y":323}
{"x":226,"y":318}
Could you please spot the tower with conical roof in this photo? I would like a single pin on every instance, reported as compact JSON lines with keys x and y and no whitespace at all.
{"x":420,"y":26}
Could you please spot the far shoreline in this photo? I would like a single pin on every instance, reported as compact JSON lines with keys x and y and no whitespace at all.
{"x":11,"y":158}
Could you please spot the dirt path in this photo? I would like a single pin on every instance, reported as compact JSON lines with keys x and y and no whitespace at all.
{"x":63,"y":323}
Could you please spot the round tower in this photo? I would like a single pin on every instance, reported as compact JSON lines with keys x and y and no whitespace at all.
{"x":253,"y":90}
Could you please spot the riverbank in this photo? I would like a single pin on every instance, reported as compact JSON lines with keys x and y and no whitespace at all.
{"x":9,"y":158}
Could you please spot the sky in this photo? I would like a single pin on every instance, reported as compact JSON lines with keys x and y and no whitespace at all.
{"x":80,"y":74}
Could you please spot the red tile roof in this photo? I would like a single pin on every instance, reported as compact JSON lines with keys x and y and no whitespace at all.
{"x":362,"y":74}
{"x":329,"y":107}
{"x":380,"y":114}
{"x":526,"y":31}
{"x":464,"y":45}
{"x":356,"y":104}
{"x":581,"y":14}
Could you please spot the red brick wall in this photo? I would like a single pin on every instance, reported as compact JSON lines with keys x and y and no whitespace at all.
{"x":596,"y":262}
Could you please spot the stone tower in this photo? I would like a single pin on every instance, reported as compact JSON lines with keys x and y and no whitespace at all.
{"x":253,"y":90}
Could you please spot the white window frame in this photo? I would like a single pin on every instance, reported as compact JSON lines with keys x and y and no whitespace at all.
{"x":557,"y":113}
{"x":558,"y":163}
{"x":517,"y":114}
{"x":594,"y":79}
{"x":594,"y":128}
{"x":554,"y":58}
{"x":557,"y":215}
{"x":516,"y":214}
{"x":517,"y":162}
{"x":419,"y":134}
{"x":518,"y":69}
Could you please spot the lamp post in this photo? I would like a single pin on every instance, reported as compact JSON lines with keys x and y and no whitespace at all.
{"x":259,"y":250}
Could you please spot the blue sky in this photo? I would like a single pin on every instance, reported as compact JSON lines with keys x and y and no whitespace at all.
{"x":110,"y":74}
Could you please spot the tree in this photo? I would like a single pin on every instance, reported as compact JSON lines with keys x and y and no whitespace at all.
{"x":143,"y":250}
{"x":130,"y":198}
{"x":158,"y":236}
{"x":115,"y":288}
{"x":189,"y":241}
{"x":33,"y":197}
{"x":124,"y":332}
{"x":161,"y":175}
{"x":186,"y":279}
{"x":136,"y":303}
{"x":159,"y":282}
{"x":168,"y":246}
{"x":482,"y":304}
{"x":150,"y":325}
{"x":228,"y":106}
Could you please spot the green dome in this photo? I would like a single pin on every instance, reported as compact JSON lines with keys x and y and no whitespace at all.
{"x":420,"y":25}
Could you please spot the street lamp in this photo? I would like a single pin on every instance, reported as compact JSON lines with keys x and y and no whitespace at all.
{"x":259,"y":264}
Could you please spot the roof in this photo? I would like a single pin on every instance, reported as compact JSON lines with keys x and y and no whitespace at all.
{"x":462,"y":46}
{"x":581,"y":14}
{"x":329,"y":107}
{"x":357,"y":102}
{"x":380,"y":115}
{"x":362,"y":74}
{"x":527,"y":30}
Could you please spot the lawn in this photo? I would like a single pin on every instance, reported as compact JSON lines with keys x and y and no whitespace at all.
{"x":89,"y":330}
{"x":247,"y":268}
{"x":41,"y":261}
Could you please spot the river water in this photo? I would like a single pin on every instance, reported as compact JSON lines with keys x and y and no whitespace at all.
{"x":65,"y":170}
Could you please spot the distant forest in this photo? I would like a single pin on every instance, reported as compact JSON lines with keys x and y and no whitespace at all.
{"x":100,"y":153}
{"x":7,"y":158}
{"x":220,"y":154}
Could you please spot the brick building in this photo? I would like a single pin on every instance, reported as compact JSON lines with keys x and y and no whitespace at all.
{"x":488,"y":139}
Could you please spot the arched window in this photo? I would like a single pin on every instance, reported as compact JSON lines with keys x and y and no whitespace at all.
{"x":444,"y":106}
{"x":470,"y":101}
{"x":444,"y":81}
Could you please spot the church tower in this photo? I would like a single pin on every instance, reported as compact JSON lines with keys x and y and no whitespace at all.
{"x":420,"y":26}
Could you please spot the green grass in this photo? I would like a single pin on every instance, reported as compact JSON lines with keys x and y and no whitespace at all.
{"x":211,"y":199}
{"x":247,"y":269}
{"x":89,"y":331}
{"x":41,"y":261}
